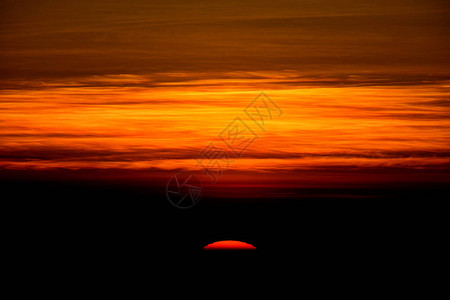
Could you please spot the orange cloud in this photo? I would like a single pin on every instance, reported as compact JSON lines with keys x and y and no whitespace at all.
{"x":116,"y":126}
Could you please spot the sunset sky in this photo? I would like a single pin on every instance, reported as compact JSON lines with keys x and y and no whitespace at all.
{"x":147,"y":85}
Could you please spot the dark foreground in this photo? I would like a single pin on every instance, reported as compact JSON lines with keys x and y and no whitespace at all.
{"x":102,"y":222}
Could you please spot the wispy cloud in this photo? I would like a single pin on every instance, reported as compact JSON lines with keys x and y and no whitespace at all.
{"x":115,"y":85}
{"x":107,"y":123}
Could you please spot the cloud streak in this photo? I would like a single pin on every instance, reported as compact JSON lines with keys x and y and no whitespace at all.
{"x":146,"y":86}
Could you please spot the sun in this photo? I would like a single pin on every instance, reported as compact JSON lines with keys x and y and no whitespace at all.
{"x":229,"y":245}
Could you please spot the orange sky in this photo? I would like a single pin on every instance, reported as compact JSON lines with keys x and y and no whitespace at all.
{"x":144,"y":86}
{"x":138,"y":127}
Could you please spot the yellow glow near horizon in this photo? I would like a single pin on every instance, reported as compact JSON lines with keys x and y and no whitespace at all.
{"x":138,"y":127}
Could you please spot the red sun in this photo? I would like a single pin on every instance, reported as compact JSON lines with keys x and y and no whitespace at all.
{"x":229,"y":245}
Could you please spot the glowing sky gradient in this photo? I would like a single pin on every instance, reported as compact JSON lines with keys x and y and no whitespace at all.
{"x":138,"y":127}
{"x":364,"y":85}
